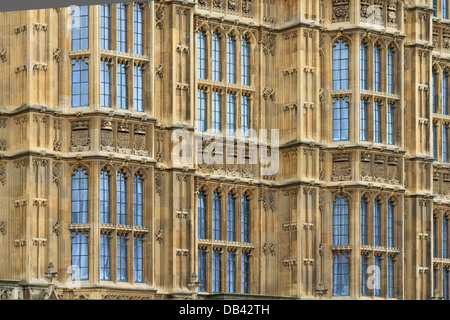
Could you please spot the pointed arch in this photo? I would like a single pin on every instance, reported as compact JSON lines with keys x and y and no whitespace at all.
{"x":247,"y":34}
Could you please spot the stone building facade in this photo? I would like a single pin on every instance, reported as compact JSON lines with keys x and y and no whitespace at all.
{"x":95,"y":207}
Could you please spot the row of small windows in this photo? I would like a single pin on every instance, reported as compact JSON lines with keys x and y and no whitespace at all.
{"x":215,"y":268}
{"x":217,"y":59}
{"x":80,"y":28}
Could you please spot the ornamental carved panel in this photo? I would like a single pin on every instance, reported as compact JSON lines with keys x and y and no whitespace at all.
{"x":341,"y":11}
{"x":80,"y":140}
{"x":342,"y":170}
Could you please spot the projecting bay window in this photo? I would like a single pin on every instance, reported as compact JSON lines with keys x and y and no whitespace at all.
{"x":122,"y":27}
{"x":80,"y":82}
{"x":105,"y":256}
{"x":80,"y":255}
{"x":138,"y":29}
{"x":340,"y":221}
{"x":105,"y":83}
{"x":105,"y":27}
{"x":340,"y":65}
{"x":341,"y":119}
{"x":80,"y":28}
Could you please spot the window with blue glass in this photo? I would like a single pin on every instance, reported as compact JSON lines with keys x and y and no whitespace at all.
{"x":434,"y":8}
{"x":105,"y":256}
{"x":217,"y":216}
{"x":105,"y":84}
{"x":231,"y":113}
{"x":245,"y":216}
{"x":80,"y":255}
{"x":231,"y":217}
{"x":105,"y":27}
{"x":445,"y":284}
{"x":390,"y":224}
{"x":340,"y":65}
{"x":105,"y":196}
{"x":435,"y":236}
{"x":445,"y":143}
{"x":201,"y":110}
{"x":121,"y":198}
{"x":364,"y":120}
{"x":390,"y":70}
{"x":340,"y":221}
{"x":80,"y":196}
{"x":435,"y":279}
{"x":245,"y":62}
{"x":138,"y":88}
{"x":231,"y":272}
{"x":245,"y":116}
{"x":80,"y":82}
{"x":217,"y":271}
{"x":444,"y":9}
{"x":435,"y":141}
{"x":216,"y":112}
{"x":363,"y":66}
{"x":138,"y":200}
{"x":445,"y":237}
{"x":122,"y":86}
{"x":377,"y":223}
{"x":390,"y":125}
{"x":216,"y":57}
{"x":391,"y":277}
{"x":364,"y":221}
{"x":138,"y":257}
{"x":202,"y":213}
{"x":377,"y":68}
{"x":434,"y":91}
{"x":341,"y":274}
{"x":122,"y":34}
{"x":364,"y":265}
{"x":80,"y":28}
{"x":245,"y":277}
{"x":231,"y":59}
{"x":201,"y":55}
{"x":340,"y":119}
{"x":122,"y":268}
{"x":138,"y":29}
{"x":445,"y":93}
{"x":377,"y":287}
{"x":202,"y":269}
{"x":377,"y":122}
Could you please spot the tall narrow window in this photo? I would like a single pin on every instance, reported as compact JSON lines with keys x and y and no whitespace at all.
{"x":217,"y":216}
{"x":341,"y":275}
{"x":246,"y":116}
{"x":434,"y":8}
{"x":377,"y":287}
{"x":122,"y":36}
{"x":122,"y":86}
{"x":434,"y":91}
{"x":390,"y":224}
{"x":217,"y":271}
{"x":105,"y":257}
{"x":80,"y":255}
{"x":231,"y":272}
{"x":231,"y":59}
{"x":364,"y":222}
{"x":245,"y":62}
{"x":445,"y":93}
{"x":105,"y":197}
{"x":340,"y":221}
{"x":122,"y":198}
{"x":202,"y":212}
{"x":105,"y":84}
{"x":138,"y":200}
{"x":377,"y":68}
{"x":80,"y":82}
{"x":80,"y":28}
{"x":340,"y":119}
{"x":201,"y":110}
{"x":435,"y":141}
{"x":444,"y":9}
{"x":245,"y":216}
{"x":138,"y":29}
{"x":445,"y":284}
{"x":216,"y":112}
{"x":435,"y":237}
{"x":364,"y":265}
{"x":105,"y":27}
{"x":363,"y":66}
{"x":231,"y":113}
{"x":377,"y":222}
{"x":435,"y":279}
{"x":122,"y":268}
{"x":216,"y":57}
{"x":138,"y":256}
{"x":445,"y":143}
{"x":364,"y":122}
{"x":80,"y":193}
{"x":390,"y":124}
{"x":390,"y":70}
{"x":202,"y":271}
{"x":138,"y":89}
{"x":445,"y":237}
{"x":245,"y":272}
{"x":377,"y":121}
{"x":201,"y":55}
{"x":391,"y":277}
{"x":231,"y":218}
{"x":340,"y":65}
